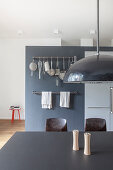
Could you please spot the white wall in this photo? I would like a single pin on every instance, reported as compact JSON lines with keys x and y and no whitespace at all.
{"x":12,"y":70}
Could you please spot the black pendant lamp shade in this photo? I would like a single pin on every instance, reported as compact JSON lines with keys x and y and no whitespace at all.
{"x":93,"y":69}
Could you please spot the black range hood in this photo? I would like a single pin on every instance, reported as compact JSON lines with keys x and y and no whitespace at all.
{"x":93,"y":69}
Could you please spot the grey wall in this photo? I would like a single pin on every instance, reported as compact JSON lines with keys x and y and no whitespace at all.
{"x":35,"y":116}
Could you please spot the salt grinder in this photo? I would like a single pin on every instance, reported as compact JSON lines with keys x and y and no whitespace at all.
{"x":75,"y":140}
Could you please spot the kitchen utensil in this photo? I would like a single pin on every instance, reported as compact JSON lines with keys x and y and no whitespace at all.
{"x":69,"y":62}
{"x":75,"y":59}
{"x":40,"y":67}
{"x":47,"y":67}
{"x":57,"y":81}
{"x":72,"y":60}
{"x":62,"y":73}
{"x":51,"y":72}
{"x":57,"y":71}
{"x":32,"y":67}
{"x":43,"y":68}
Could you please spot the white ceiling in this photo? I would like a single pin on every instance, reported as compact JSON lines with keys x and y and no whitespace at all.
{"x":39,"y":18}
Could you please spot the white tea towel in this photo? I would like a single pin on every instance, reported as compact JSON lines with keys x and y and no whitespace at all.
{"x":65,"y":99}
{"x":46,"y":100}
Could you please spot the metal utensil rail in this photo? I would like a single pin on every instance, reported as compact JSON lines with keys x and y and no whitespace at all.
{"x":39,"y":93}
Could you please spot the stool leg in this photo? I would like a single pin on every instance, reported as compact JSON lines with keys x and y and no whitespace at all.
{"x":12,"y":116}
{"x":19,"y":114}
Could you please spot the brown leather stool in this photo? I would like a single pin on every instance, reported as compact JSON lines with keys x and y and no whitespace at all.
{"x":56,"y":124}
{"x":95,"y":124}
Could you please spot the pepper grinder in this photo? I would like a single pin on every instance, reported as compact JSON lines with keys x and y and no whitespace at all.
{"x":87,"y":137}
{"x":75,"y":140}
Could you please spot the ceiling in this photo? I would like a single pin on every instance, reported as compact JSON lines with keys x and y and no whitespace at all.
{"x":39,"y":19}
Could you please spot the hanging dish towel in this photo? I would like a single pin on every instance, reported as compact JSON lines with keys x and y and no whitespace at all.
{"x":46,"y":100}
{"x":65,"y":99}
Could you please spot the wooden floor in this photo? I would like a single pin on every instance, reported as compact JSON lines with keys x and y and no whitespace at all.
{"x":7,"y":129}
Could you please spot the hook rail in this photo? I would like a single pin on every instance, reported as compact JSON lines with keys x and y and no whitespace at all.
{"x":39,"y":93}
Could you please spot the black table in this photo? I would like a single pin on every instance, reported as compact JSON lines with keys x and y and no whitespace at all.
{"x":53,"y":151}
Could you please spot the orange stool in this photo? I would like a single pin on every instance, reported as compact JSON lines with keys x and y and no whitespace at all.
{"x":13,"y":112}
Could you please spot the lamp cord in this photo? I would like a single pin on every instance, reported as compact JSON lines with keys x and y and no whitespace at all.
{"x":97,"y":27}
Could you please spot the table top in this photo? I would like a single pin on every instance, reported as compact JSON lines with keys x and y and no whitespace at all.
{"x":53,"y":151}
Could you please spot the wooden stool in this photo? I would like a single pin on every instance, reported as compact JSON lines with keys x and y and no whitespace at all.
{"x":13,"y":112}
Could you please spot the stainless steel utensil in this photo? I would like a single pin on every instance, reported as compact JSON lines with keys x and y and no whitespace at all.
{"x":69,"y":62}
{"x":51,"y":72}
{"x":43,"y":68}
{"x":40,"y":67}
{"x":47,"y":67}
{"x":72,"y":60}
{"x":75,"y":59}
{"x":32,"y":67}
{"x":57,"y":72}
{"x":57,"y":81}
{"x":57,"y":68}
{"x":62,"y":73}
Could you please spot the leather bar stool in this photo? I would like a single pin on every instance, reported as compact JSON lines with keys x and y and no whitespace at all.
{"x":56,"y":124}
{"x":95,"y":124}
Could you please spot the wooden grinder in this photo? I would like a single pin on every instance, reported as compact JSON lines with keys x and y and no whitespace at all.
{"x":87,"y":137}
{"x":75,"y":140}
